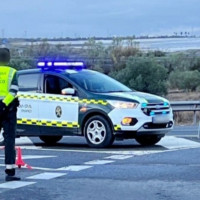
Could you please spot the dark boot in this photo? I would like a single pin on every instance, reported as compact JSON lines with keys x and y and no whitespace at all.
{"x":12,"y":178}
{"x":11,"y":175}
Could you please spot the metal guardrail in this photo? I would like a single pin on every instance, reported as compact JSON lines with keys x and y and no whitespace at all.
{"x":188,"y":105}
{"x":178,"y":106}
{"x":194,"y":106}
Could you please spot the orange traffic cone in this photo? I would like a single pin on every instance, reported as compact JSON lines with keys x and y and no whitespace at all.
{"x":19,"y":161}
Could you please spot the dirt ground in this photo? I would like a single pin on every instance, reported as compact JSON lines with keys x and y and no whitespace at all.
{"x":183,"y":96}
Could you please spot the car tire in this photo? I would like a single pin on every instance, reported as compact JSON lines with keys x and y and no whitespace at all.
{"x":98,"y":132}
{"x":50,"y":140}
{"x":148,"y":140}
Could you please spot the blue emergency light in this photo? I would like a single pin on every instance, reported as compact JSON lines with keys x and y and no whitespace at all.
{"x":166,"y":104}
{"x":152,"y":113}
{"x":60,"y":65}
{"x":144,"y":105}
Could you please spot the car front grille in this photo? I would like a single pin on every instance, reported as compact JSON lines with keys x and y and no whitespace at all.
{"x":155,"y":109}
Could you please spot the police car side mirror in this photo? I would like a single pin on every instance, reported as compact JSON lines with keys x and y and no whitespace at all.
{"x":68,"y":91}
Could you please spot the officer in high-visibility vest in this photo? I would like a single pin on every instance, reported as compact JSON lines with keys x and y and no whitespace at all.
{"x":8,"y":110}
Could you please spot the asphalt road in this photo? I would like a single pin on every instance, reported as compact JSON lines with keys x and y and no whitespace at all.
{"x":186,"y":131}
{"x":71,"y":170}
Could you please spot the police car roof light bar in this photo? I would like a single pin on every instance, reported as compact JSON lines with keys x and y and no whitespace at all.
{"x":58,"y":64}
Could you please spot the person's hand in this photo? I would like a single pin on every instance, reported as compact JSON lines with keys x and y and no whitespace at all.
{"x":2,"y":108}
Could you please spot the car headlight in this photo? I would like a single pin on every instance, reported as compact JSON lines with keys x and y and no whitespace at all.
{"x":123,"y":104}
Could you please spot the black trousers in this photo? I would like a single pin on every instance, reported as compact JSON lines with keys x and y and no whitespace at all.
{"x":8,"y":122}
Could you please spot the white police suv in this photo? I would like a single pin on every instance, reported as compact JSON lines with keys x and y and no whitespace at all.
{"x":63,"y":98}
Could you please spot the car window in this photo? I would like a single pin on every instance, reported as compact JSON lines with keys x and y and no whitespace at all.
{"x":28,"y":82}
{"x":55,"y":84}
{"x":97,"y":82}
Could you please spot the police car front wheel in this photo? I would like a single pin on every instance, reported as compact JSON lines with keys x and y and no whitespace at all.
{"x":148,"y":140}
{"x":98,"y":132}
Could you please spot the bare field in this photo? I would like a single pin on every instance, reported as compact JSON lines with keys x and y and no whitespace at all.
{"x":184,"y":96}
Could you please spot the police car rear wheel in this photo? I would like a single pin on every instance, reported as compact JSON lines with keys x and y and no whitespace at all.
{"x":148,"y":140}
{"x":50,"y":140}
{"x":98,"y":132}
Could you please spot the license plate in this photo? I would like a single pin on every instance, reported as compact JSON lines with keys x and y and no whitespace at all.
{"x":160,"y":119}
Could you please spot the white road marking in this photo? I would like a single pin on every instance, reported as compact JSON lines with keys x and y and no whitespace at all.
{"x":15,"y":184}
{"x":98,"y":162}
{"x":37,"y":156}
{"x":74,"y":168}
{"x":33,"y":147}
{"x":46,"y":176}
{"x":33,"y":157}
{"x":41,"y":168}
{"x":23,"y":140}
{"x":118,"y":157}
{"x":172,"y":142}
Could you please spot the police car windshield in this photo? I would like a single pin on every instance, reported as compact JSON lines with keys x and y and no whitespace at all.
{"x":97,"y":82}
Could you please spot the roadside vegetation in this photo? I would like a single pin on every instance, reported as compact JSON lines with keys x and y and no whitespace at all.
{"x":155,"y":72}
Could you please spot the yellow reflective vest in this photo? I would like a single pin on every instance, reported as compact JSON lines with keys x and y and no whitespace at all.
{"x":6,"y":77}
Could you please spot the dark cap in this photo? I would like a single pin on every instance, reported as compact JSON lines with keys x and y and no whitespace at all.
{"x":4,"y":55}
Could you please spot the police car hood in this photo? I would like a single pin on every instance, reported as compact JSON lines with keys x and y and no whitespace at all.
{"x":140,"y":97}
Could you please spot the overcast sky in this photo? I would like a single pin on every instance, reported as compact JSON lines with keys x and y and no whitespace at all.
{"x":74,"y":18}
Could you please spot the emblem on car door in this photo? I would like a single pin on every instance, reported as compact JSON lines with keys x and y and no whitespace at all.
{"x":58,"y":111}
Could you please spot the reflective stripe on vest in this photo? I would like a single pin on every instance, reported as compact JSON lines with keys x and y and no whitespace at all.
{"x":6,"y":76}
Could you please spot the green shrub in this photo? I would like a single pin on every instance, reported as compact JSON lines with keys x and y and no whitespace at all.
{"x":143,"y":74}
{"x":186,"y":80}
